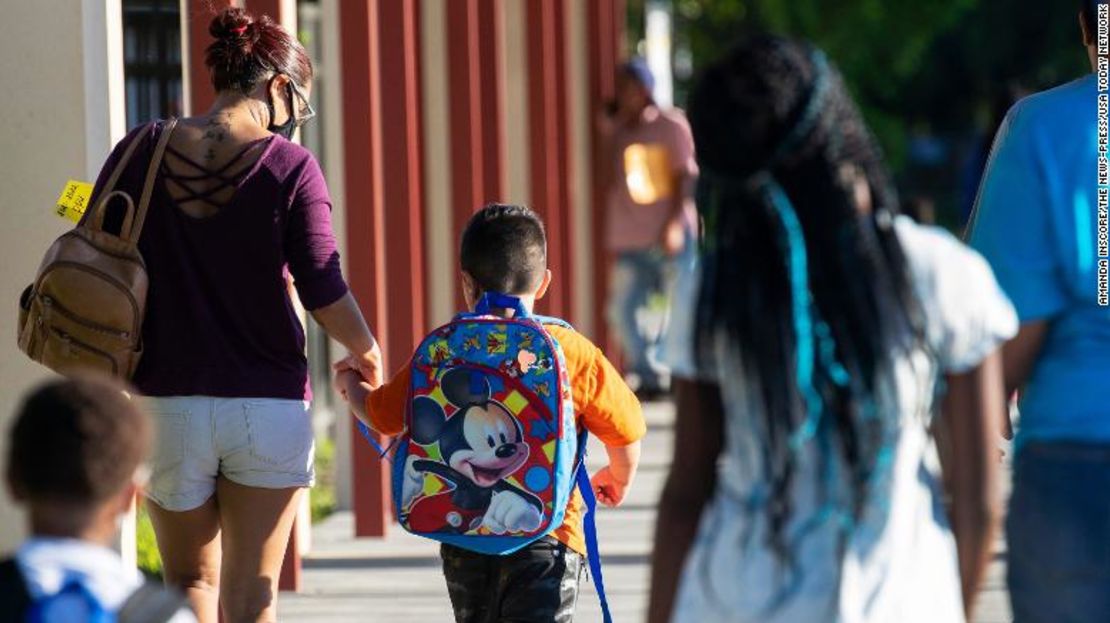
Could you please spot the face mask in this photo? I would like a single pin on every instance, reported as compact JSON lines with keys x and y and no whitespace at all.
{"x":290,"y":126}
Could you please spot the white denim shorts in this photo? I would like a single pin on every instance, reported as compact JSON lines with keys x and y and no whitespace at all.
{"x":255,"y":442}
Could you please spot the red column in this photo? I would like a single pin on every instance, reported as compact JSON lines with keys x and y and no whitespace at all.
{"x":402,"y":175}
{"x":198,"y":14}
{"x":464,"y":85}
{"x":365,"y":227}
{"x":605,"y":24}
{"x":547,"y":157}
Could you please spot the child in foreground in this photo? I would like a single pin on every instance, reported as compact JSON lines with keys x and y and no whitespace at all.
{"x":504,"y":250}
{"x":75,"y":462}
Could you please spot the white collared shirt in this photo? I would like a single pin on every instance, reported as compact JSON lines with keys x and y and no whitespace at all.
{"x":48,"y":564}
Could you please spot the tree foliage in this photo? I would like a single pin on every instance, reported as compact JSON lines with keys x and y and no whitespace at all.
{"x":933,"y":66}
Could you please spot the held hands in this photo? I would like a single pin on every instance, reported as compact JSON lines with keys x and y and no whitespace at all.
{"x":368,"y":365}
{"x":346,"y":380}
{"x":609,"y":490}
{"x":357,"y":375}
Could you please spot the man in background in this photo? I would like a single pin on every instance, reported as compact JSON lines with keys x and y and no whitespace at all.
{"x":650,"y":219}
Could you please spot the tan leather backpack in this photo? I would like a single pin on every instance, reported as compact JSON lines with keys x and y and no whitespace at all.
{"x":85,"y":309}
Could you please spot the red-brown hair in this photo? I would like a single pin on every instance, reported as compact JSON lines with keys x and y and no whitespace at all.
{"x":249,"y":50}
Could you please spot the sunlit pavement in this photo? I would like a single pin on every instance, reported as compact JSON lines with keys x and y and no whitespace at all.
{"x":398,"y":579}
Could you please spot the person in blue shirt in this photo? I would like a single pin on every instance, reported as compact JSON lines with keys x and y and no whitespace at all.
{"x":1036,"y":222}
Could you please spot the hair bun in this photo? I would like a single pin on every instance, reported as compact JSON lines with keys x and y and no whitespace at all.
{"x":231,"y":23}
{"x":249,"y":49}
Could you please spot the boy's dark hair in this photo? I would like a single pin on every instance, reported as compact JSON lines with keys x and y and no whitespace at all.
{"x":504,"y":248}
{"x":77,"y":441}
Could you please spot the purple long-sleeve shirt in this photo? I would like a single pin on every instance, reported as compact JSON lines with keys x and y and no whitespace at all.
{"x":219,"y":317}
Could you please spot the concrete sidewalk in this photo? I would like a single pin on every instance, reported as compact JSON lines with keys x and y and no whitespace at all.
{"x":398,"y":579}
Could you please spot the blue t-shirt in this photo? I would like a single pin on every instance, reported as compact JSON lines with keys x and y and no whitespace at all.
{"x":1035,"y":222}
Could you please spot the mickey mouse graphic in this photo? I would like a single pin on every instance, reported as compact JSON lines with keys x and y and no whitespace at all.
{"x":481,"y":444}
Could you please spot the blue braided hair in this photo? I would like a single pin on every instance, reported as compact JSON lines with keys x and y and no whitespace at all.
{"x":810,"y":292}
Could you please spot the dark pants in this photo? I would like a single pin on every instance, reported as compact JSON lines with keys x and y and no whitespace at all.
{"x":1058,"y":534}
{"x":538,"y":584}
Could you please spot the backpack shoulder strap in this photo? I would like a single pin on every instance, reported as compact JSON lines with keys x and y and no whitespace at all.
{"x":552,"y":320}
{"x":121,"y":164}
{"x":151,"y":603}
{"x":589,"y":527}
{"x":148,"y":185}
{"x":15,"y":599}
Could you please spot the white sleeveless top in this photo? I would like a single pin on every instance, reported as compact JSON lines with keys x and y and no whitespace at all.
{"x":898,"y":562}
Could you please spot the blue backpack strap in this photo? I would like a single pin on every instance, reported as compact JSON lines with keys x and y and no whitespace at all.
{"x":496,"y":300}
{"x":552,"y":320}
{"x":383,"y":453}
{"x":589,"y":525}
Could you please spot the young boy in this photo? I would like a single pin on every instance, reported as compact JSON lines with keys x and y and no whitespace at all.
{"x":75,"y":460}
{"x":504,"y":249}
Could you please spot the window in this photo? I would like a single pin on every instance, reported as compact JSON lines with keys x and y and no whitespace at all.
{"x":152,"y":60}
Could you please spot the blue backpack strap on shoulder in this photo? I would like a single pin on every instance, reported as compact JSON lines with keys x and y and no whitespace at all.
{"x":496,"y":300}
{"x":552,"y":320}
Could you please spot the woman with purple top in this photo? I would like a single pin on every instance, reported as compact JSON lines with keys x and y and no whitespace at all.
{"x":238,"y":213}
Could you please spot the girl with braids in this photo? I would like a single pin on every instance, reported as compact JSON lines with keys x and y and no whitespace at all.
{"x":826,"y":330}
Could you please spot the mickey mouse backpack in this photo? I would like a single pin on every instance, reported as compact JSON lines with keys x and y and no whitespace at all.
{"x":491,"y":451}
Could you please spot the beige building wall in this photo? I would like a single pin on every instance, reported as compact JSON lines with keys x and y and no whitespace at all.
{"x":514,"y":67}
{"x":64,"y":110}
{"x":442,"y":282}
{"x":583,"y":263}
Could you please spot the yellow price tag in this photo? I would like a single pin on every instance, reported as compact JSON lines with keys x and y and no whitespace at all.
{"x":74,"y":200}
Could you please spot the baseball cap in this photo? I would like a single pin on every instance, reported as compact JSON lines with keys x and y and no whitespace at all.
{"x":637,"y":69}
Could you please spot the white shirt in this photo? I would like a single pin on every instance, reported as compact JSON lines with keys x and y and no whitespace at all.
{"x":48,"y":564}
{"x":898,"y":561}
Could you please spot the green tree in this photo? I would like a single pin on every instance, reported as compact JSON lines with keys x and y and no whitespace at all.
{"x":878,"y":46}
{"x":945,"y":68}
